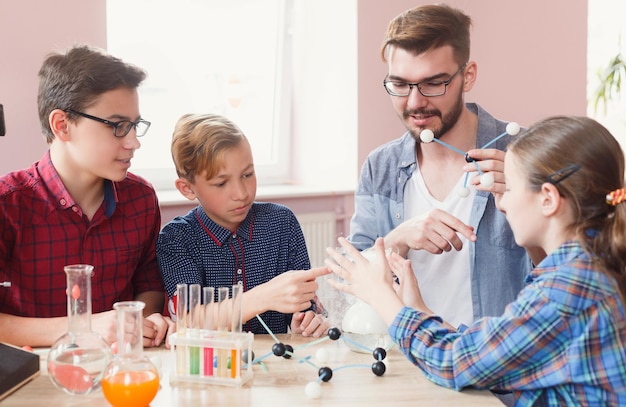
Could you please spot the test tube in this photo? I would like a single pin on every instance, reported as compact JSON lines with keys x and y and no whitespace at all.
{"x":194,"y":324}
{"x":208,"y":298}
{"x":222,"y":327}
{"x":181,"y":328}
{"x":235,"y":326}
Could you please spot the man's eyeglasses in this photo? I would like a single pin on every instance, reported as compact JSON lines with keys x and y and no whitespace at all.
{"x":428,"y":88}
{"x":121,"y":128}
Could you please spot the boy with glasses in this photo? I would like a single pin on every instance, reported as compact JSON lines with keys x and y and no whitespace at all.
{"x":79,"y":204}
{"x":461,"y":248}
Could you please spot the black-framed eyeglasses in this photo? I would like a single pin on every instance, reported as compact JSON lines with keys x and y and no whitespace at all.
{"x":428,"y":88}
{"x":121,"y":128}
{"x":563,"y":173}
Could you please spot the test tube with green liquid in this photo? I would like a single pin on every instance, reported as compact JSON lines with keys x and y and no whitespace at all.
{"x":195,"y":325}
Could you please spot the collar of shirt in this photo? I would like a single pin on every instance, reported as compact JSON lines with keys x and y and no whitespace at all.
{"x":219,"y":234}
{"x":53,"y":182}
{"x":562,"y":255}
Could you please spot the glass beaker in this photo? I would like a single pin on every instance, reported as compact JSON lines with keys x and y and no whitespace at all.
{"x":362,"y":324}
{"x":131,"y":379}
{"x":77,"y":359}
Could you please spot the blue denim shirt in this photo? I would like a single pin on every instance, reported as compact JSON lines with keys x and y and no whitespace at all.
{"x":498,"y":266}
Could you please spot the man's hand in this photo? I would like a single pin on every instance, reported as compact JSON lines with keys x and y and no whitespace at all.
{"x":436,"y":232}
{"x":489,"y":160}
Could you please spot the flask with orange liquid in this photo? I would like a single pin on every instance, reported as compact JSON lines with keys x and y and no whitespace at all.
{"x":131,"y":379}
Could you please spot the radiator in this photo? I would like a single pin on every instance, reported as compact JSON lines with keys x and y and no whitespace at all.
{"x":320,"y":232}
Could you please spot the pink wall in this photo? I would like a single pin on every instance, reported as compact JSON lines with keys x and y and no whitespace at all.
{"x":29,"y":30}
{"x":531,"y":58}
{"x":520,"y":47}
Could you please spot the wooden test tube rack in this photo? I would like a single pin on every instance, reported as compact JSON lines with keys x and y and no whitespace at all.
{"x":216,"y":344}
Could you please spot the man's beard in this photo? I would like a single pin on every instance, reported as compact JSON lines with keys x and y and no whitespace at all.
{"x":447,"y":122}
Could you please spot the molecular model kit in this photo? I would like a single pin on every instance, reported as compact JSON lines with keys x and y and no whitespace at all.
{"x":486,"y":179}
{"x":313,"y":389}
{"x":217,"y":356}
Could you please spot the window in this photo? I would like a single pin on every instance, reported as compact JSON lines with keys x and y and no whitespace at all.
{"x":208,"y":56}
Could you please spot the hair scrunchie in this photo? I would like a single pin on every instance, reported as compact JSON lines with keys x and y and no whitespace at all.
{"x":616,"y":197}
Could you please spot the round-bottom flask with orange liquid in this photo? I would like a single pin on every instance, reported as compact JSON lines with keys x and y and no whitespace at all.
{"x":131,"y":379}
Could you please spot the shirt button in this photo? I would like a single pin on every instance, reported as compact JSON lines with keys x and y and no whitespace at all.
{"x":239,"y":271}
{"x":75,"y":208}
{"x":240,"y":282}
{"x":63,"y":202}
{"x":403,"y":163}
{"x":397,"y":216}
{"x":234,"y":236}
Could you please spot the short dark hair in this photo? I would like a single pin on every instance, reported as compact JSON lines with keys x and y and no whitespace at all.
{"x":428,"y":27}
{"x":75,"y":79}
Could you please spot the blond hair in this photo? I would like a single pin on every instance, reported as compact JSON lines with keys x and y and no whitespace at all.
{"x":199,"y":143}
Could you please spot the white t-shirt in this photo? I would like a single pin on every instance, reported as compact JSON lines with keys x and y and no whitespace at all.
{"x":444,"y":279}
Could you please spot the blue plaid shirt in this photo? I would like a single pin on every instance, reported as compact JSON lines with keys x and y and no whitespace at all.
{"x":193,"y":249}
{"x":561,"y":339}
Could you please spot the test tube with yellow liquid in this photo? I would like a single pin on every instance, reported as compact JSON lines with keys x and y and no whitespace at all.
{"x":235,"y":326}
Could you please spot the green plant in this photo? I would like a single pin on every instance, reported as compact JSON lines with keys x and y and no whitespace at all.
{"x":611,"y":78}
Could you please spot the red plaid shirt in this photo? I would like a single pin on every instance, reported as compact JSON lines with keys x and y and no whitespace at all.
{"x":42,"y":229}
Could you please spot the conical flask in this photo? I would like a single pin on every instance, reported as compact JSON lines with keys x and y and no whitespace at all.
{"x":77,"y":360}
{"x":131,"y":379}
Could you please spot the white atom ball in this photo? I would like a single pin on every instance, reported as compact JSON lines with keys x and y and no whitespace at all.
{"x":313,"y":390}
{"x":463,"y":192}
{"x":427,"y":135}
{"x":512,"y":128}
{"x":486,"y":179}
{"x":322,"y":355}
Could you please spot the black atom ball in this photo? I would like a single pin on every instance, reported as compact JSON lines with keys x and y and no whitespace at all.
{"x":325,"y":373}
{"x":278,"y":349}
{"x":378,"y":368}
{"x":245,"y":357}
{"x":288,"y":351}
{"x":379,"y":353}
{"x":334,"y":333}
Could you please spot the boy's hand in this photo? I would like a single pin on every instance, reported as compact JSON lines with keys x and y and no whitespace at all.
{"x":309,"y":323}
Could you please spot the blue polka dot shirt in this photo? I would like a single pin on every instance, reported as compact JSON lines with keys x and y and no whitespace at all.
{"x":192,"y":249}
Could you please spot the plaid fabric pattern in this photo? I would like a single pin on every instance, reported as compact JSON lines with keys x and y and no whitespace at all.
{"x":562,"y":339}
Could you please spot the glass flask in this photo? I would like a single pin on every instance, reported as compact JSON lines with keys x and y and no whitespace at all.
{"x":362,"y":324}
{"x":77,"y":360}
{"x":131,"y":379}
